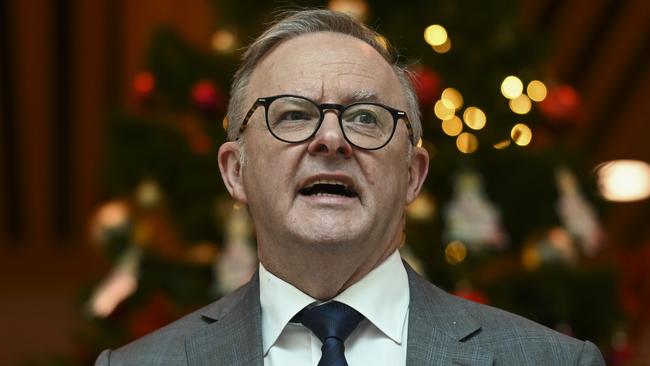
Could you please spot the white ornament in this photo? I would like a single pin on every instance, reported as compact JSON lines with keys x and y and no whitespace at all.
{"x":238,"y":262}
{"x":576,"y":213}
{"x":471,"y":217}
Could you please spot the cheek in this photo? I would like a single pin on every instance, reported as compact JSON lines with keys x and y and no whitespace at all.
{"x":271,"y":170}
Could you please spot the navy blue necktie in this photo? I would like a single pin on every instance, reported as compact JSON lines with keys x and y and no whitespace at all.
{"x":332,"y":323}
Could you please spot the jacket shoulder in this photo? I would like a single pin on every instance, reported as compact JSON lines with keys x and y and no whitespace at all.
{"x":514,"y":339}
{"x":510,"y":338}
{"x":166,"y":346}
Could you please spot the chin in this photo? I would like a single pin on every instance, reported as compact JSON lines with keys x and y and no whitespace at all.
{"x":329,"y":235}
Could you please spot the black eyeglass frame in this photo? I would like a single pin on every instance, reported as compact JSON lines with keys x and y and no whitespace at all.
{"x":322,"y":108}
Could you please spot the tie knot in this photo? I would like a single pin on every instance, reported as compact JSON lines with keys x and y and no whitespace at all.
{"x":333,"y":319}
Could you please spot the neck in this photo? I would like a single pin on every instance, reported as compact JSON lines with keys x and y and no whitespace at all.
{"x":323,"y":272}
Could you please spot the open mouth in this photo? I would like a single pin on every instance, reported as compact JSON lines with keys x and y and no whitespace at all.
{"x":328,"y":188}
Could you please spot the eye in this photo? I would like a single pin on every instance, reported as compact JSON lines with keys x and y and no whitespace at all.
{"x":295,"y":115}
{"x":291,"y":115}
{"x":363,"y":117}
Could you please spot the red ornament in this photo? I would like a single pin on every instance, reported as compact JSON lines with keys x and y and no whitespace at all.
{"x":562,"y":104}
{"x":207,"y":97}
{"x":542,"y":137}
{"x":157,"y":312}
{"x":192,"y":128}
{"x":201,"y":144}
{"x":144,"y":83}
{"x":472,"y":295}
{"x":427,"y":86}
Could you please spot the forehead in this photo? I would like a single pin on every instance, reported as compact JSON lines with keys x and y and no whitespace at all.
{"x":327,"y":67}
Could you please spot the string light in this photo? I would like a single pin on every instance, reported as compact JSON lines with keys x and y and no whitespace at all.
{"x":443,"y":110}
{"x":467,"y":143}
{"x":356,"y":8}
{"x":455,"y":252}
{"x":624,"y":180}
{"x":223,"y":41}
{"x":435,"y":35}
{"x":511,"y":87}
{"x":536,"y":91}
{"x":452,"y":126}
{"x":443,"y":48}
{"x":452,"y":97}
{"x":112,"y":215}
{"x":202,"y":253}
{"x":474,"y":118}
{"x":521,"y":104}
{"x":521,"y":134}
{"x":148,"y":193}
{"x":530,"y":257}
{"x":502,"y":144}
{"x":422,"y":208}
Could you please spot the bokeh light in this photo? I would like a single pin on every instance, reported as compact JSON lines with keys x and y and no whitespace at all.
{"x":112,"y":214}
{"x":452,"y":97}
{"x":624,"y":180}
{"x":443,"y":110}
{"x":443,"y":48}
{"x":224,"y":41}
{"x":502,"y":144}
{"x":467,"y":143}
{"x":435,"y":35}
{"x":536,"y":91}
{"x":474,"y":118}
{"x":422,"y":208}
{"x":521,"y":104}
{"x":455,"y":252}
{"x":143,"y":83}
{"x":452,"y":126}
{"x":355,"y":8}
{"x":521,"y":134}
{"x":511,"y":87}
{"x":530,"y":257}
{"x":148,"y":193}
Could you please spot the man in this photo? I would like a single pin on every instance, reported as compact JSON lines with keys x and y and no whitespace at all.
{"x":324,"y":128}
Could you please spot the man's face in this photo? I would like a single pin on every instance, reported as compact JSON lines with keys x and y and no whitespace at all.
{"x":275,"y":179}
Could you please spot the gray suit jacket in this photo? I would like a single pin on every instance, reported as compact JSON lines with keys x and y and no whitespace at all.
{"x":443,"y":330}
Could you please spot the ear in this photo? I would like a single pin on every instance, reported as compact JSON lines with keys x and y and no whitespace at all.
{"x":231,"y":170}
{"x":418,"y":169}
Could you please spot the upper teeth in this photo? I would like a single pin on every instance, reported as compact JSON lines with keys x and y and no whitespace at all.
{"x":328,"y":181}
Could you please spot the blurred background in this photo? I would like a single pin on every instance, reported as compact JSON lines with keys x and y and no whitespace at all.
{"x":114,"y":220}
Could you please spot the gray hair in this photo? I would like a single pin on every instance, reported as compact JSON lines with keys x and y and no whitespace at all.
{"x":295,"y":23}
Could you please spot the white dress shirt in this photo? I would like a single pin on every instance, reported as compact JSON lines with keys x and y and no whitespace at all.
{"x":382,"y":296}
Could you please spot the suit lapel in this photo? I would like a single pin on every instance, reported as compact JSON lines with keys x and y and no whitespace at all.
{"x":439,"y":329}
{"x":233,"y":335}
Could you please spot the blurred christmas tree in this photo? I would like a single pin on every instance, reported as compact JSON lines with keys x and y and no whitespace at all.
{"x":503,"y":218}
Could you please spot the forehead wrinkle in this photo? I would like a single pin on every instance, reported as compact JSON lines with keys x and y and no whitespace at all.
{"x":366,"y":73}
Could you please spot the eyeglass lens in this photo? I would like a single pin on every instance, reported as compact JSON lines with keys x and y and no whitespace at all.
{"x":295,"y":119}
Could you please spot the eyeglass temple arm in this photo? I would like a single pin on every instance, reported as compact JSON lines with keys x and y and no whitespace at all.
{"x":249,"y":114}
{"x":409,"y":128}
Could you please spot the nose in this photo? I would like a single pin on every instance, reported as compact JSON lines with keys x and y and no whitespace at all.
{"x":329,"y":140}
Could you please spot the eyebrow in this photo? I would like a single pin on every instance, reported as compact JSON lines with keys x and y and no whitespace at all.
{"x":363,"y":96}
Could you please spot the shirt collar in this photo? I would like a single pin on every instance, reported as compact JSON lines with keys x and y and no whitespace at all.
{"x":382,"y":296}
{"x":280,"y":301}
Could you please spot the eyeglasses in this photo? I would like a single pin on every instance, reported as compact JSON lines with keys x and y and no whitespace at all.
{"x":293,"y":119}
